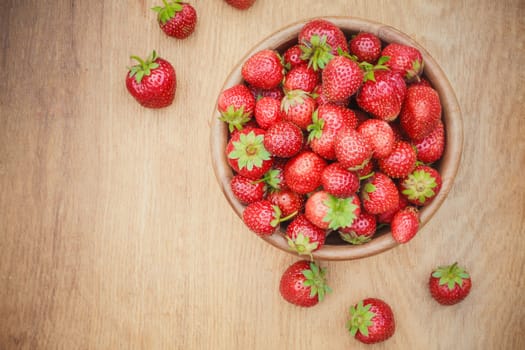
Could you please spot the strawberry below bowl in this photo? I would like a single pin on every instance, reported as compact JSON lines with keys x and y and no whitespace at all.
{"x":334,"y":247}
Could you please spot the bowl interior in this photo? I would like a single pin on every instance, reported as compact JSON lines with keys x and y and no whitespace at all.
{"x":335,"y":248}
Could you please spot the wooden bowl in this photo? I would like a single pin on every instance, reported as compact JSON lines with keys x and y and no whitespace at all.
{"x":334,"y":248}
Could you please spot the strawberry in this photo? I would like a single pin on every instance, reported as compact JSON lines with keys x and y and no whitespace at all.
{"x":304,"y":284}
{"x":301,"y":78}
{"x":302,"y":173}
{"x":240,"y":4}
{"x":329,"y":212}
{"x":298,"y":107}
{"x":430,"y":148}
{"x":288,"y":201}
{"x":421,"y":112}
{"x":267,"y":112}
{"x":379,"y":194}
{"x":404,"y":59}
{"x":320,"y":40}
{"x":386,"y":217}
{"x":152,"y":82}
{"x":283,"y":139}
{"x":176,"y":18}
{"x":405,"y":224}
{"x":371,"y":321}
{"x":338,"y":181}
{"x":449,"y":285}
{"x":379,"y":135}
{"x":236,"y":105}
{"x":259,"y":93}
{"x":352,"y":150}
{"x":292,"y":57}
{"x":327,"y":120}
{"x":304,"y":237}
{"x":366,"y":47}
{"x":247,"y":190}
{"x":361,"y":230}
{"x":246,"y":153}
{"x":321,"y":99}
{"x":368,"y":170}
{"x":400,"y":162}
{"x":421,"y":185}
{"x":263,"y":69}
{"x":262,"y":217}
{"x":383,"y":96}
{"x":341,"y":78}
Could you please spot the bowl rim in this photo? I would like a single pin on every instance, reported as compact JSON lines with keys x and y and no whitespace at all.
{"x":451,"y":116}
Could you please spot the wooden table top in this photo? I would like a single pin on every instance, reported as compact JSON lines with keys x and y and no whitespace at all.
{"x":114,"y":233}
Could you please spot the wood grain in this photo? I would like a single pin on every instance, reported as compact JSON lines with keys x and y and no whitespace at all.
{"x":114,"y":233}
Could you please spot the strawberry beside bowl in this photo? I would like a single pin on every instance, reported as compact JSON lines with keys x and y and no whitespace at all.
{"x":334,"y":248}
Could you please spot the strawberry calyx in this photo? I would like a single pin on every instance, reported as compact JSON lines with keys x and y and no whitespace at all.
{"x":317,"y":52}
{"x":450,"y":275}
{"x":144,"y":67}
{"x":341,"y":212}
{"x":272,"y":180}
{"x":369,"y":68}
{"x":249,"y":151}
{"x":360,"y":319}
{"x":235,"y":118}
{"x":301,"y":245}
{"x":353,"y":238}
{"x":292,"y":98}
{"x":168,"y":11}
{"x":316,"y":128}
{"x":419,"y":185}
{"x":413,"y":74}
{"x":315,"y":278}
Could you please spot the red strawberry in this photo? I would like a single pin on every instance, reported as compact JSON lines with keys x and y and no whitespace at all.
{"x":259,"y":93}
{"x":247,"y":190}
{"x":368,"y":170}
{"x":352,"y":150}
{"x":240,"y":4}
{"x":283,"y":139}
{"x":304,"y":284}
{"x":329,"y":212}
{"x":379,"y":194}
{"x":361,"y":230}
{"x":320,"y":40}
{"x":304,"y":237}
{"x":404,"y":59}
{"x":288,"y":201}
{"x":327,"y":120}
{"x":379,"y":135}
{"x":302,"y":173}
{"x":341,"y":78}
{"x":263,"y":70}
{"x":371,"y":321}
{"x":382,"y":96}
{"x":292,"y":57}
{"x":430,"y":148}
{"x":263,"y":217}
{"x":152,"y":82}
{"x":400,"y":162}
{"x":246,"y":153}
{"x":366,"y":47}
{"x":321,"y":99}
{"x":405,"y":224}
{"x":301,"y":78}
{"x":421,"y":185}
{"x":176,"y":18}
{"x":386,"y":217}
{"x":298,"y":107}
{"x":267,"y":112}
{"x":449,"y":285}
{"x":338,"y":181}
{"x":421,"y":112}
{"x":236,"y":105}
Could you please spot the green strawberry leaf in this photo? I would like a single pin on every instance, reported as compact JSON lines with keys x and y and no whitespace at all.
{"x":235,"y":118}
{"x":249,"y":151}
{"x":317,"y":51}
{"x":316,"y":128}
{"x":341,"y":212}
{"x":360,"y":319}
{"x":144,"y":67}
{"x":168,"y":11}
{"x":315,"y":278}
{"x":301,"y":245}
{"x":450,"y":275}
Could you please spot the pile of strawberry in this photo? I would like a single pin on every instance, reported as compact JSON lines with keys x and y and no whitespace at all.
{"x":334,"y":135}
